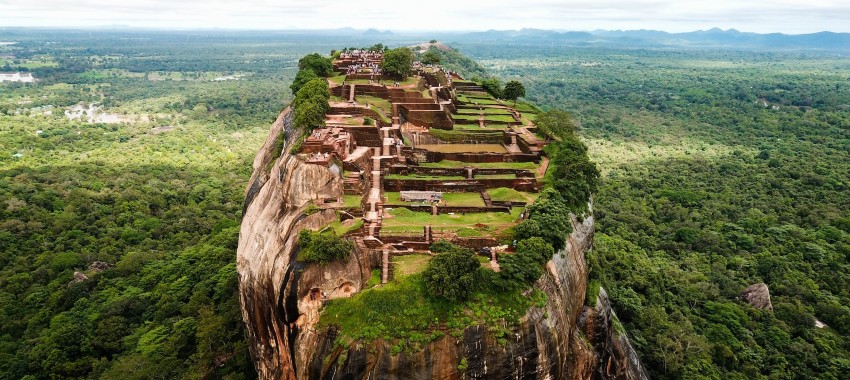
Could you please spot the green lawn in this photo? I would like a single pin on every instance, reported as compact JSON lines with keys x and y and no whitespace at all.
{"x":405,"y":217}
{"x":508,"y":194}
{"x":495,"y":176}
{"x":466,"y":117}
{"x":351,"y":200}
{"x":481,"y":165}
{"x":502,"y":118}
{"x":476,"y":127}
{"x":381,"y":103}
{"x":404,"y":315}
{"x":340,"y":229}
{"x":463,"y":199}
{"x":423,"y":177}
{"x":409,"y":264}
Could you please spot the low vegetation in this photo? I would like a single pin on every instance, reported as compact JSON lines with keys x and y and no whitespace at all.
{"x":323,"y":247}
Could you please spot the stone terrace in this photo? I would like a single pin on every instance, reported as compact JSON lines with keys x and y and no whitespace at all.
{"x":476,"y":157}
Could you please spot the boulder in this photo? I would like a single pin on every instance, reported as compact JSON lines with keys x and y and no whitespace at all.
{"x":758,"y":295}
{"x":78,"y":278}
{"x":99,"y":266}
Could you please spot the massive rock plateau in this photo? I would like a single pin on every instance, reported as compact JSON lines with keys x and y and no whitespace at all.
{"x":565,"y":339}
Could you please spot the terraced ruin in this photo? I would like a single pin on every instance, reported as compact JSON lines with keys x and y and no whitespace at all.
{"x":433,"y":158}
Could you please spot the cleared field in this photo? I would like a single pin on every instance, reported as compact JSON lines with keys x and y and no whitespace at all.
{"x":508,"y":194}
{"x":410,"y":264}
{"x":460,"y":148}
{"x":450,"y":199}
{"x":423,"y":177}
{"x":351,"y":200}
{"x":413,"y":221}
{"x":480,"y":165}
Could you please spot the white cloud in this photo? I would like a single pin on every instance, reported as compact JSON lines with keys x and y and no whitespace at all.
{"x":759,"y":16}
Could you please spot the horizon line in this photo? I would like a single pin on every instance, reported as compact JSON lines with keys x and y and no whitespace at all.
{"x":393,"y":31}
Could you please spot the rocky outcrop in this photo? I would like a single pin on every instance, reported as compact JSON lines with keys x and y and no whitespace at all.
{"x":78,"y":278}
{"x":758,"y":295}
{"x":281,"y":299}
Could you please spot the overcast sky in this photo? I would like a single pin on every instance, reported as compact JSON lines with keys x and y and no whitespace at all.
{"x":787,"y":16}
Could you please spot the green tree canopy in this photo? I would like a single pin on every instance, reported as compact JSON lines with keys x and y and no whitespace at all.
{"x":430,"y":57}
{"x":311,"y":104}
{"x":556,"y":123}
{"x":513,"y":90}
{"x":398,"y":62}
{"x":301,"y":79}
{"x":322,"y":66}
{"x":493,"y":86}
{"x":451,"y":274}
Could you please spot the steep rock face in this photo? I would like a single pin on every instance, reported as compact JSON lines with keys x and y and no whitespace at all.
{"x":613,"y":354}
{"x":280,"y":302}
{"x":279,"y":192}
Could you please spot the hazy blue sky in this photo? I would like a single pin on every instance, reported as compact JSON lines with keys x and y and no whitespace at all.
{"x":788,"y":16}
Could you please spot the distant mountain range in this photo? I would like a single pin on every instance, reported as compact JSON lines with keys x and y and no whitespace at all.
{"x":712,"y":38}
{"x":652,"y":38}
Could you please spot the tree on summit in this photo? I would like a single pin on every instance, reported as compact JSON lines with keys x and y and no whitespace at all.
{"x":430,"y":57}
{"x":513,"y":90}
{"x":321,"y":66}
{"x":398,"y":62}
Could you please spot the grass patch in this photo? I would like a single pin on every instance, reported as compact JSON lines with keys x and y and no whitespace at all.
{"x":381,"y":103}
{"x":402,"y":230}
{"x":463,"y":199}
{"x":508,"y":194}
{"x":466,"y":117}
{"x":351,"y":201}
{"x":495,"y":176}
{"x":500,"y":118}
{"x":409,"y":264}
{"x":408,"y":218}
{"x":374,"y":279}
{"x":480,"y":165}
{"x":341,"y":229}
{"x":401,"y":313}
{"x":421,"y":177}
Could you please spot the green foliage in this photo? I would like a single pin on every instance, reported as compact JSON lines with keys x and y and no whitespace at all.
{"x":704,"y":191}
{"x":323,"y":247}
{"x":513,"y":90}
{"x":303,"y":76}
{"x":315,"y":62}
{"x":572,"y":173}
{"x":492,"y":85}
{"x":311,"y":104}
{"x":518,"y":270}
{"x":549,"y":219}
{"x":451,"y":274}
{"x":536,"y":248}
{"x":557,"y":124}
{"x":430,"y":57}
{"x":398,"y":62}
